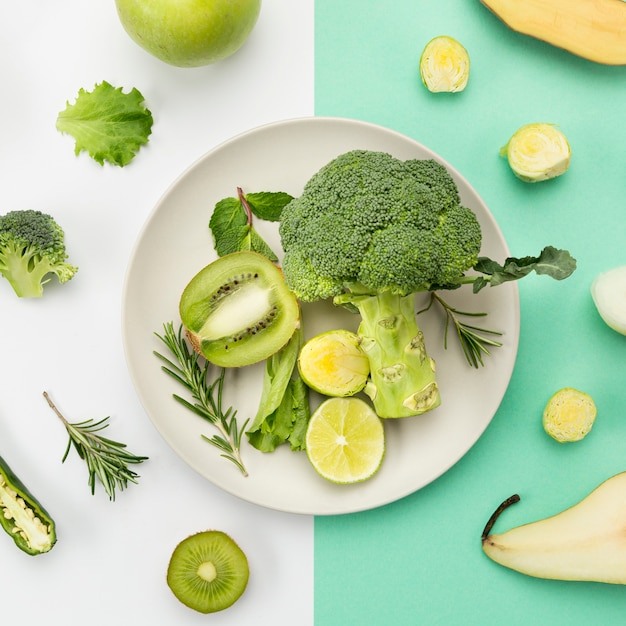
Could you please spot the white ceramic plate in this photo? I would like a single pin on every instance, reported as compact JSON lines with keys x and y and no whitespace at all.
{"x":176,"y":242}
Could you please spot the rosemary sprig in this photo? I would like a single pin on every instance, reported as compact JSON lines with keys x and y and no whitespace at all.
{"x":107,"y":460}
{"x":472,"y":338}
{"x":206,"y":393}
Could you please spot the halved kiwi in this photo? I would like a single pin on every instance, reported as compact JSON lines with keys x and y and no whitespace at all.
{"x":238,"y":311}
{"x":208,"y":571}
{"x":332,"y":363}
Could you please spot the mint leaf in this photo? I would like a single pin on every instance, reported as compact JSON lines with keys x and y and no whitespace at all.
{"x":255,"y":243}
{"x":232,"y":226}
{"x":229,"y":225}
{"x":268,"y":205}
{"x":106,"y":123}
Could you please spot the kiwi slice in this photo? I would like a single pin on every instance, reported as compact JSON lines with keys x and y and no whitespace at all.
{"x":208,"y":571}
{"x":238,"y":311}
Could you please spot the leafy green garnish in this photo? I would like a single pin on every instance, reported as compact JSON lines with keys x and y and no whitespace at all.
{"x":205,"y":392}
{"x":108,"y":124}
{"x":474,"y":342}
{"x":232,"y":221}
{"x":283,"y":412}
{"x":107,"y":460}
{"x":552,"y":262}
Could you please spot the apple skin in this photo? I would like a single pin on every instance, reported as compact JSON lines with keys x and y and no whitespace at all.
{"x":189,"y":33}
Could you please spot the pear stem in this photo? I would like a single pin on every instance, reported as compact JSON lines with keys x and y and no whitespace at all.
{"x":496,"y":514}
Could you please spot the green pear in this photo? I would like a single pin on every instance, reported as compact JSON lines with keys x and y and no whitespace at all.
{"x":585,"y":542}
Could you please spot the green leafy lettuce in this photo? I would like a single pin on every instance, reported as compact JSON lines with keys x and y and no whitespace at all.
{"x":283,"y":413}
{"x":107,"y":124}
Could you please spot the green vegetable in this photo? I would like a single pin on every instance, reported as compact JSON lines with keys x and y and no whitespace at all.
{"x":569,"y":415}
{"x":232,"y":221}
{"x":333,"y":363}
{"x":206,"y":393}
{"x":32,"y":249}
{"x":283,"y":412}
{"x":370,"y":231}
{"x":22,"y":516}
{"x":608,"y":291}
{"x":106,"y":460}
{"x":537,"y":152}
{"x":444,"y":65}
{"x":107,"y":123}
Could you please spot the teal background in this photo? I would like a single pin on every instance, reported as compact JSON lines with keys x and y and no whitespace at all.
{"x":419,"y":560}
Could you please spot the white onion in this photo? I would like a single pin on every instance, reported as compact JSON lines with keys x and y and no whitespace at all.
{"x":608,"y":291}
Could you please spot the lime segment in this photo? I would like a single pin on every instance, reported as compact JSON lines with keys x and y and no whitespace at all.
{"x":345,"y":440}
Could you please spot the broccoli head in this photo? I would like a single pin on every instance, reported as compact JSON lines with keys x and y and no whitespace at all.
{"x":370,"y":230}
{"x":369,"y":219}
{"x":32,"y":248}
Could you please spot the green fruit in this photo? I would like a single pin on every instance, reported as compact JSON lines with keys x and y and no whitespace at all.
{"x":208,"y":571}
{"x":345,"y":440}
{"x":238,"y":311}
{"x":189,"y":33}
{"x":332,"y":363}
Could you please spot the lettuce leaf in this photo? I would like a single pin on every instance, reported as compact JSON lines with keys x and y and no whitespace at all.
{"x":107,"y":124}
{"x":284,"y":412}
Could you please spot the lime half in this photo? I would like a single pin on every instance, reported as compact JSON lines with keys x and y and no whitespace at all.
{"x":345,"y":440}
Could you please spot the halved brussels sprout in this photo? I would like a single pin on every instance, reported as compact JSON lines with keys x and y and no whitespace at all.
{"x":537,"y":152}
{"x":569,"y":415}
{"x":332,"y":363}
{"x":444,"y":65}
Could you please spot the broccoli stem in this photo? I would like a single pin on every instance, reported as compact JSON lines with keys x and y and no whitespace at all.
{"x":402,"y":377}
{"x":25,"y":275}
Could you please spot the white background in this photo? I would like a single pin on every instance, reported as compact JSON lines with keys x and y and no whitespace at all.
{"x":110,"y":560}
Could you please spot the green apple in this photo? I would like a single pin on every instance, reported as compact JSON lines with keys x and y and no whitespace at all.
{"x":189,"y":33}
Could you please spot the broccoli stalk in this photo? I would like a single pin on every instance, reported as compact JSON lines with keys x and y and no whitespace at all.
{"x":370,"y":231}
{"x":32,"y":249}
{"x":402,"y":376}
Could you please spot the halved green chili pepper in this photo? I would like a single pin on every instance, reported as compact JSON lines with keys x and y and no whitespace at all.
{"x":22,"y":516}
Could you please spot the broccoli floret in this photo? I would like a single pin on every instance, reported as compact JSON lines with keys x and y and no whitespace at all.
{"x":388,"y":225}
{"x":32,"y":248}
{"x":370,"y":231}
